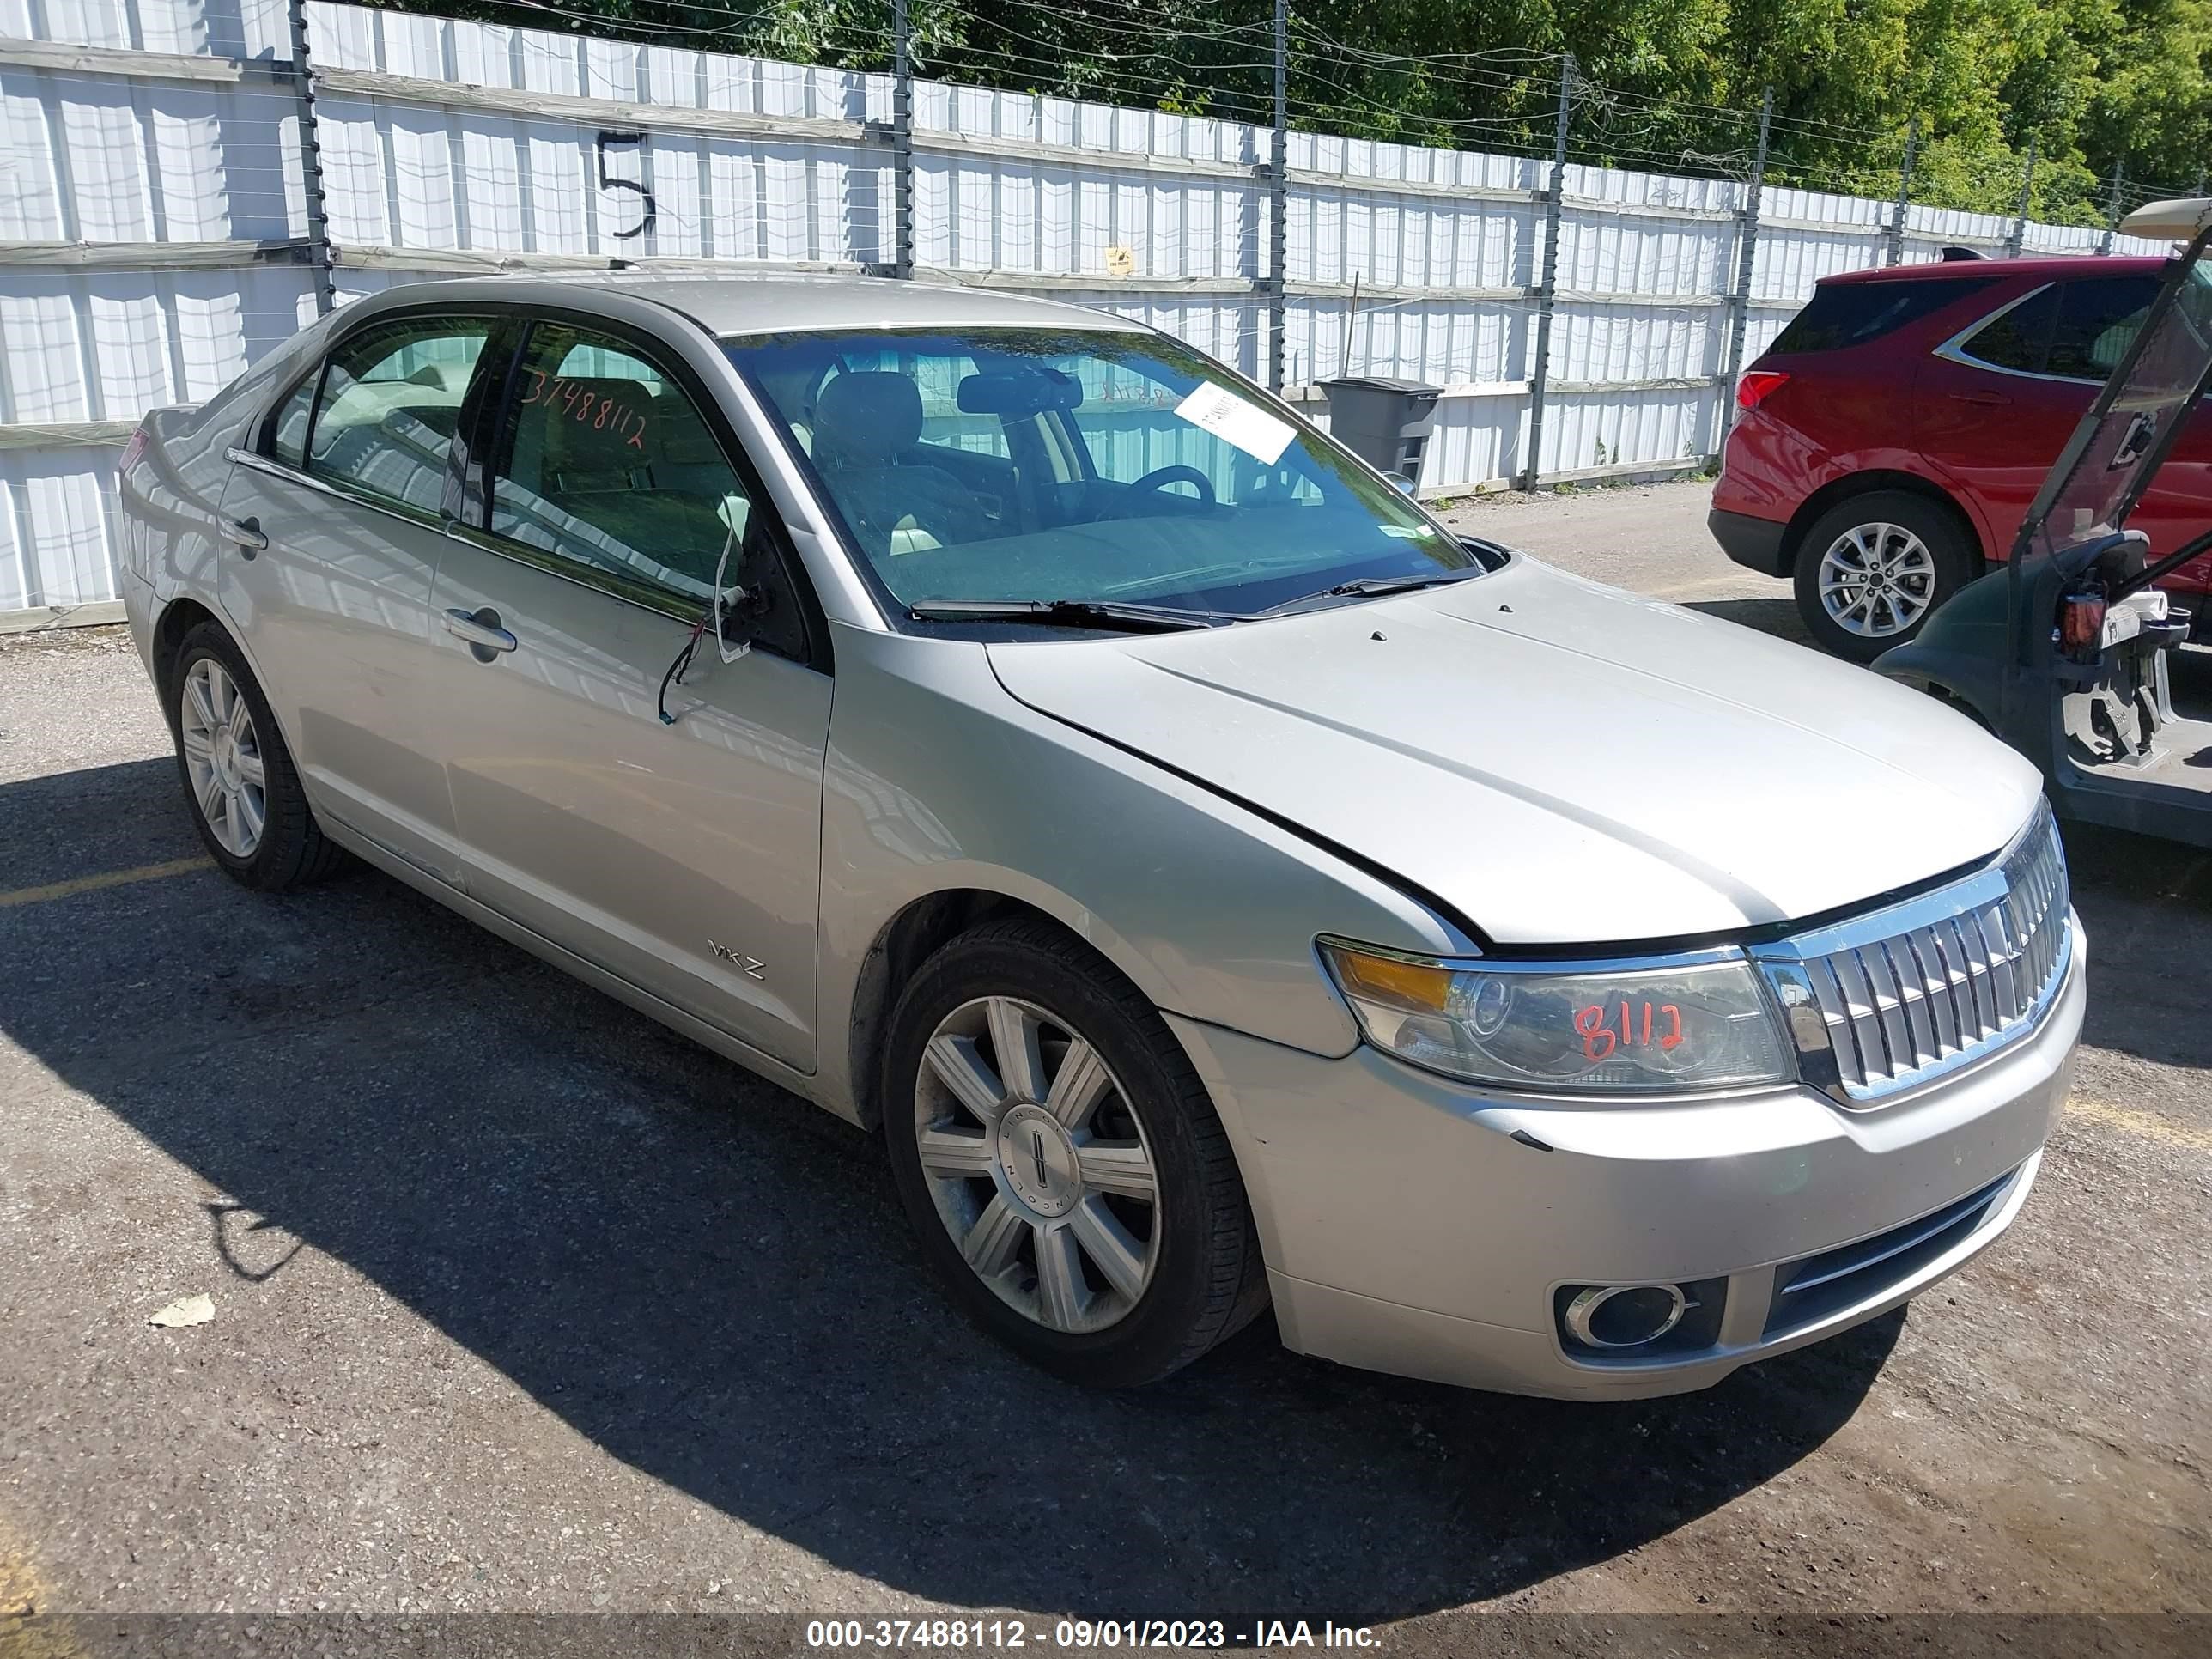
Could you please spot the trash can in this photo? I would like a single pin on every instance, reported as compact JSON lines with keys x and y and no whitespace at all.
{"x":1382,"y":420}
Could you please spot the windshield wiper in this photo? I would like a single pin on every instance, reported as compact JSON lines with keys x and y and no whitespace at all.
{"x":1108,"y":613}
{"x":1368,"y":587}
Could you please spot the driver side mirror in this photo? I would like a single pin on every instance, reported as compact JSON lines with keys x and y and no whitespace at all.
{"x":1404,"y":485}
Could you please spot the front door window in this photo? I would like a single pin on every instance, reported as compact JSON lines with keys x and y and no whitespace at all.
{"x":610,"y":466}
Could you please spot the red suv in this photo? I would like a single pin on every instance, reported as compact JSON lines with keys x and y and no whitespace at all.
{"x":1888,"y":442}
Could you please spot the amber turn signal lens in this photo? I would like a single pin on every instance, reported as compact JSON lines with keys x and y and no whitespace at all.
{"x":1411,"y":984}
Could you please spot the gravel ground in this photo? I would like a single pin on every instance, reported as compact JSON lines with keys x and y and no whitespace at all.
{"x":521,"y":1304}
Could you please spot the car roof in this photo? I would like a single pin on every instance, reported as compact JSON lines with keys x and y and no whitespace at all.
{"x":740,"y":303}
{"x":2048,"y":267}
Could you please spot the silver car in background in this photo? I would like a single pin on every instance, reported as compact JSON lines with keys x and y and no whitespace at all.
{"x":1221,"y":884}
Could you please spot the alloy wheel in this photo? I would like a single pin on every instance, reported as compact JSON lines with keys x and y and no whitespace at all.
{"x":1038,"y":1164}
{"x":1877,"y":581}
{"x":223,"y":757}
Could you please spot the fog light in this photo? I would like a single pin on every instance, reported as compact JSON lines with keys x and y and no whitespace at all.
{"x":1625,"y":1316}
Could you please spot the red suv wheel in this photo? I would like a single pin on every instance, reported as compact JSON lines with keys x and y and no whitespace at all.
{"x":1872,"y":568}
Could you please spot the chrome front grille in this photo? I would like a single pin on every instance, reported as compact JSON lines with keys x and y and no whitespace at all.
{"x":1889,"y":1000}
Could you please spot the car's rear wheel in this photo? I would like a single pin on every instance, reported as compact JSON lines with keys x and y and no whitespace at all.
{"x":240,"y":781}
{"x":1873,"y":568}
{"x":1061,"y":1162}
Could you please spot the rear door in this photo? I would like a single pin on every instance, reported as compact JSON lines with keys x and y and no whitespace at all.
{"x":1996,"y":402}
{"x":662,"y":822}
{"x":347,"y":481}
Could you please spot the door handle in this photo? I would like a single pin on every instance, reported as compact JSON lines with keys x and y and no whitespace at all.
{"x":244,"y":534}
{"x":481,"y":629}
{"x":1982,"y":399}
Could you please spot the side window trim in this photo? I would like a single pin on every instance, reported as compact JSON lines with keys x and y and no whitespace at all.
{"x":495,"y":430}
{"x":484,"y":409}
{"x":640,"y":591}
{"x":264,"y":440}
{"x":1958,"y":348}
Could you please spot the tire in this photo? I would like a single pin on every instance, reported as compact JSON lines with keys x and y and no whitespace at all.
{"x":1924,"y":558}
{"x":1124,"y":1304}
{"x":262,"y":832}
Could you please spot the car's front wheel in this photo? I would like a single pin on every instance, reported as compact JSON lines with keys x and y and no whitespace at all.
{"x":1873,"y":568}
{"x":1062,"y":1163}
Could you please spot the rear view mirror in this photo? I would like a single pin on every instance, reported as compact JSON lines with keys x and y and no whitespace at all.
{"x":1018,"y":393}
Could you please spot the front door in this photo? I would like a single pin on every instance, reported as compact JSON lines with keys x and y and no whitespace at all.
{"x":664,"y":827}
{"x":346,"y":488}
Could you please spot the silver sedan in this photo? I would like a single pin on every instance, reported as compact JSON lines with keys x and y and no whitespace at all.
{"x":1219,"y":883}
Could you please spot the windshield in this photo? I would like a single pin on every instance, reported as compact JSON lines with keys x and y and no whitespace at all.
{"x":1002,"y":464}
{"x":2137,"y":415}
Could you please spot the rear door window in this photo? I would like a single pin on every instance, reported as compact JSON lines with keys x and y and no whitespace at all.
{"x":390,"y":400}
{"x":2070,"y":331}
{"x":1841,"y":314}
{"x":2097,"y":322}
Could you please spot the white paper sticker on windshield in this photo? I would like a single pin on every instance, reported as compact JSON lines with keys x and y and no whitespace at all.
{"x":1231,"y":419}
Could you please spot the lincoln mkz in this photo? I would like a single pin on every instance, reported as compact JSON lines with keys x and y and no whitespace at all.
{"x":1220,"y":884}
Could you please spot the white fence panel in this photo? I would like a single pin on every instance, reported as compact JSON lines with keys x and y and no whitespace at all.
{"x":137,"y":210}
{"x":102,"y":158}
{"x":1479,"y":436}
{"x":221,"y":28}
{"x":999,"y":187}
{"x":597,"y":149}
{"x":107,"y":345}
{"x":57,"y":547}
{"x":1605,"y":429}
{"x":1400,"y":216}
{"x":1929,"y":230}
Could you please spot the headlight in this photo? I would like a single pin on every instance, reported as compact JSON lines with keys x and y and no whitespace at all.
{"x":1546,"y":1027}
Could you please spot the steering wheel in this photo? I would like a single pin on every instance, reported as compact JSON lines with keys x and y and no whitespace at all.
{"x":1161,"y":477}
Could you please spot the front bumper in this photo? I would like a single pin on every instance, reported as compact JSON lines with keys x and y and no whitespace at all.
{"x":1415,"y":1225}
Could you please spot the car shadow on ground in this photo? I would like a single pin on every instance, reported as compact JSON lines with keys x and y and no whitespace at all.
{"x":711,"y":1280}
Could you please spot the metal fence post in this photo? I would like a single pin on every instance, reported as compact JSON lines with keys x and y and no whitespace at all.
{"x":1278,"y":202}
{"x":1547,"y":290}
{"x":310,"y":165}
{"x":2112,"y":209}
{"x":902,"y":140}
{"x":2014,"y":242}
{"x":1746,"y":264}
{"x":1903,"y":194}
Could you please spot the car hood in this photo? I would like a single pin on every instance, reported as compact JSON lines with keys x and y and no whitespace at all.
{"x":1560,"y":762}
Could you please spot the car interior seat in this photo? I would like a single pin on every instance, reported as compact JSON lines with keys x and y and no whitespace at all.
{"x":603,"y":461}
{"x":864,"y":423}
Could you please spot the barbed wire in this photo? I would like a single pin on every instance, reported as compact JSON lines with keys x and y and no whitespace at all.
{"x":1215,"y":58}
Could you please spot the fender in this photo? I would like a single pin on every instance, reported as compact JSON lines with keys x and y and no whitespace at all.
{"x":1962,"y":650}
